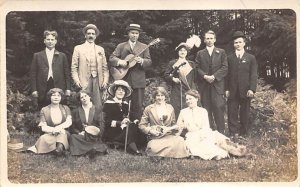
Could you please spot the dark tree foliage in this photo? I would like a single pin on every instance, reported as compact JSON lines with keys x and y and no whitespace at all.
{"x":271,"y":34}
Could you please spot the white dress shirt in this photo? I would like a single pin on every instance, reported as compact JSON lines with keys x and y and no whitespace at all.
{"x":50,"y":54}
{"x":240,"y":53}
{"x":210,"y":49}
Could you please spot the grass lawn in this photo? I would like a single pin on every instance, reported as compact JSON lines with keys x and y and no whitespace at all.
{"x":275,"y":161}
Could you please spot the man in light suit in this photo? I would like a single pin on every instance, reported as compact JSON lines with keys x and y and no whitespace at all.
{"x":89,"y":67}
{"x":240,"y":86}
{"x":136,"y":75}
{"x":212,"y":67}
{"x":49,"y":69}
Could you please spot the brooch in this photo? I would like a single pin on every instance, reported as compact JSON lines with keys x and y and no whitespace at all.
{"x":243,"y":61}
{"x":217,"y":51}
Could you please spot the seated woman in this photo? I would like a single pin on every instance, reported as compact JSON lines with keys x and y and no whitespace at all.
{"x":158,"y":122}
{"x":85,"y":138}
{"x":180,"y":75}
{"x":116,"y":119}
{"x":201,"y":140}
{"x":54,"y":119}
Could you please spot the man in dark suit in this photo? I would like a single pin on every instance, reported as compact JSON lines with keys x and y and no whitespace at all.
{"x":212,"y":67}
{"x":49,"y":69}
{"x":240,"y":86}
{"x":136,"y":75}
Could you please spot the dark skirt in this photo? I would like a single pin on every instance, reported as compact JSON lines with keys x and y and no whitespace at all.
{"x":79,"y":145}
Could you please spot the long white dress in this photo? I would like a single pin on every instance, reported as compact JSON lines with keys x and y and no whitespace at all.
{"x":201,"y":140}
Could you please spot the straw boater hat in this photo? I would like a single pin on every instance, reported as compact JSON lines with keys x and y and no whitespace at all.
{"x":91,"y":26}
{"x":238,"y":34}
{"x":91,"y":133}
{"x":112,"y":89}
{"x":133,"y":26}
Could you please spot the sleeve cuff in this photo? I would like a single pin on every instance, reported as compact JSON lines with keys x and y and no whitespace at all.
{"x":113,"y":123}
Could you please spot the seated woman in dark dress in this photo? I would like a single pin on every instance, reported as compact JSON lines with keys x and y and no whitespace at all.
{"x":85,"y":138}
{"x":116,"y":118}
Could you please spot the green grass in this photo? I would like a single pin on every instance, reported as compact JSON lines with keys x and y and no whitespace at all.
{"x":275,"y":161}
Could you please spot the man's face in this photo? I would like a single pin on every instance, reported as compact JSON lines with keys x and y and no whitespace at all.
{"x":90,"y":35}
{"x":133,"y":35}
{"x":50,"y":41}
{"x":209,"y":39}
{"x":239,"y":44}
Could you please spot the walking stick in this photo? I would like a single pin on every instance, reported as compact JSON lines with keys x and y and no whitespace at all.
{"x":126,"y":134}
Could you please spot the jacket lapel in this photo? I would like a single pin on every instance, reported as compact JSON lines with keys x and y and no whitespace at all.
{"x":81,"y":114}
{"x":55,"y":56}
{"x":154,"y":113}
{"x":91,"y":115}
{"x":45,"y":58}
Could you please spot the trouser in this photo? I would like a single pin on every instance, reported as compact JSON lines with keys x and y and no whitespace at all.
{"x":238,"y":115}
{"x":214,"y":103}
{"x":136,"y":111}
{"x":43,"y":99}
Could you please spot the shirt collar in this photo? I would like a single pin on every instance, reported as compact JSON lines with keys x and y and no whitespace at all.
{"x":210,"y":48}
{"x":50,"y":51}
{"x":89,"y":44}
{"x":241,"y":52}
{"x":117,"y":100}
{"x":88,"y":106}
{"x":131,"y":43}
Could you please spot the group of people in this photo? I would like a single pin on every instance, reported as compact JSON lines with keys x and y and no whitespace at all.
{"x":188,"y":126}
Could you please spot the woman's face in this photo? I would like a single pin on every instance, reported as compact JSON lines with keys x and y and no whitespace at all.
{"x":182,"y":52}
{"x":85,"y":98}
{"x":191,"y":101}
{"x":55,"y":98}
{"x":120,"y":93}
{"x":160,"y":98}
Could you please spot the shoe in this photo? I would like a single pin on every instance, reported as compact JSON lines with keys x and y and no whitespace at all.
{"x":59,"y":151}
{"x":92,"y":154}
{"x":137,"y":153}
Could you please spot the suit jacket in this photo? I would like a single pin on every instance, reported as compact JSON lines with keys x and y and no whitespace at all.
{"x":242,"y":75}
{"x":40,"y":69}
{"x":136,"y":75}
{"x":80,"y":62}
{"x":216,"y":65}
{"x":78,"y":119}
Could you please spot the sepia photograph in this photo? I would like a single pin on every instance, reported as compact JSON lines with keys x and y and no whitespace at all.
{"x":189,"y":93}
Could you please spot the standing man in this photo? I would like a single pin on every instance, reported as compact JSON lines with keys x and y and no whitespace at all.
{"x":49,"y":69}
{"x":212,"y":67}
{"x":136,"y":75}
{"x":89,"y":67}
{"x":240,"y":86}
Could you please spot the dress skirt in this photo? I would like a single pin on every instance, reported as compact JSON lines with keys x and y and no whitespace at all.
{"x":167,"y":146}
{"x":79,"y":145}
{"x":47,"y":142}
{"x":206,"y":145}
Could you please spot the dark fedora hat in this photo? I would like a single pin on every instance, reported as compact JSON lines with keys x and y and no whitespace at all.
{"x":238,"y":34}
{"x":134,"y":26}
{"x":91,"y":26}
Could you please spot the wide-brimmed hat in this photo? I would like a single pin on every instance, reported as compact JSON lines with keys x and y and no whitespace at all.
{"x":112,"y":88}
{"x":238,"y":34}
{"x":91,"y":26}
{"x":134,"y":26}
{"x":181,"y":45}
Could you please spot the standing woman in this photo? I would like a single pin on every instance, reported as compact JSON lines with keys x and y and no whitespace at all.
{"x":181,"y":76}
{"x":159,"y":123}
{"x":86,"y":129}
{"x":54,"y":119}
{"x":201,"y":140}
{"x":116,"y":118}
